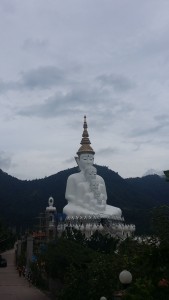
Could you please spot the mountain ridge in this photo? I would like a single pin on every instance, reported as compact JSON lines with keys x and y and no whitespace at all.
{"x":21,"y":201}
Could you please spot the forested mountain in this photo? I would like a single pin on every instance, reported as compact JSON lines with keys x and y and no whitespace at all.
{"x":22,"y":201}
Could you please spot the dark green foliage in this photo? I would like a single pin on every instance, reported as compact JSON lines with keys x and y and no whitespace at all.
{"x":80,"y":268}
{"x":167,"y":174}
{"x":102,"y":243}
{"x":7,"y":237}
{"x":98,"y":278}
{"x":22,"y":201}
{"x":63,"y":254}
{"x":74,"y":235}
{"x":90,"y":269}
{"x":91,"y":273}
{"x":141,"y":289}
{"x":160,"y":223}
{"x":38,"y":275}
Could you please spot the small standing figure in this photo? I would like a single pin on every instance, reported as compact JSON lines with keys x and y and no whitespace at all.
{"x":96,"y":188}
{"x":20,"y":271}
{"x":30,"y":278}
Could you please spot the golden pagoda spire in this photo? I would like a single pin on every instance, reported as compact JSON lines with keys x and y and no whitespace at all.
{"x":85,"y":142}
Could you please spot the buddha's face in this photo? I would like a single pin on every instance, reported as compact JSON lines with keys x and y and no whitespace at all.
{"x":86,"y":160}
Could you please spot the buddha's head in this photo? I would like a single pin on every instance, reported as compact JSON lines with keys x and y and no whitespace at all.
{"x":94,"y":185}
{"x":85,"y":160}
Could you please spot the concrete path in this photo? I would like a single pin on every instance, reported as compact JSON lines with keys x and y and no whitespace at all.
{"x":13,"y":287}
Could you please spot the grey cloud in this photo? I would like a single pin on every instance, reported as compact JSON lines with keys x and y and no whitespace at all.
{"x":102,"y":119}
{"x":163,"y":118}
{"x":5,"y":160}
{"x":148,"y":131}
{"x":118,"y":82}
{"x":69,"y":161}
{"x":55,"y":106}
{"x":107,"y":151}
{"x":137,"y":145}
{"x":41,"y":78}
{"x":155,"y":44}
{"x":35,"y":44}
{"x":123,"y":108}
{"x":96,"y":119}
{"x":76,"y":101}
{"x":6,"y":86}
{"x":8,"y":6}
{"x":161,"y":123}
{"x":110,"y":114}
{"x":104,"y":109}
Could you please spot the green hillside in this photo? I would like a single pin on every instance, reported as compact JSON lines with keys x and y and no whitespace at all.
{"x":22,"y":201}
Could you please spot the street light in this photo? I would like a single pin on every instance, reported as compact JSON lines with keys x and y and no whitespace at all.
{"x":103,"y":298}
{"x":125,"y":278}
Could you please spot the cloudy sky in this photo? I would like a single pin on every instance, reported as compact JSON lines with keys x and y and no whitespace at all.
{"x":60,"y":60}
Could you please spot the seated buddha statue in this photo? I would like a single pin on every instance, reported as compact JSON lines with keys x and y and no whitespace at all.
{"x":86,"y":191}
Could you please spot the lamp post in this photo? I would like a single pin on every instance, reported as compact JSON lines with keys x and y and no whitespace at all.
{"x":125,"y":278}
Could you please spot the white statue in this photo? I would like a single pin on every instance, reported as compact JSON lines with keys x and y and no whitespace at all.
{"x":51,"y":208}
{"x":86,"y":191}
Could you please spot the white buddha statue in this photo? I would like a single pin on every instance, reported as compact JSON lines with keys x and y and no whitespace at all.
{"x":85,"y":190}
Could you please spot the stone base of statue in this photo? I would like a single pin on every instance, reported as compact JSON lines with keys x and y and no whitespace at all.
{"x":107,"y":220}
{"x":88,"y":224}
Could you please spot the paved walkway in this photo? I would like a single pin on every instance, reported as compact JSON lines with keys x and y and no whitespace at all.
{"x":13,"y":287}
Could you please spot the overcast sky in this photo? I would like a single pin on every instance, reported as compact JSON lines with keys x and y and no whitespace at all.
{"x":61,"y":60}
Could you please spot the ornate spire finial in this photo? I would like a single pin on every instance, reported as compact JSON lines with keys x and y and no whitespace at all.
{"x":85,"y":142}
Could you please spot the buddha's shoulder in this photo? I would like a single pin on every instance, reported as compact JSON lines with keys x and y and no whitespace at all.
{"x":100,"y":179}
{"x":75,"y":177}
